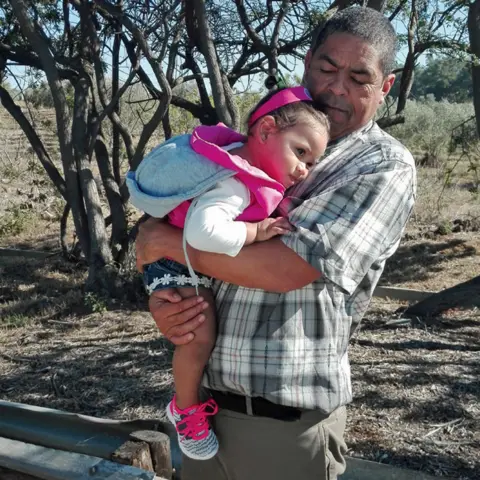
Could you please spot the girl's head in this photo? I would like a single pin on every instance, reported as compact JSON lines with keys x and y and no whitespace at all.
{"x":287,"y":135}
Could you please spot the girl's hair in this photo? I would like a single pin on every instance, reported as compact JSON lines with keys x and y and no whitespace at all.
{"x":288,"y":115}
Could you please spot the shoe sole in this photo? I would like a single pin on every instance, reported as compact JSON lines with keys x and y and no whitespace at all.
{"x":185,"y":452}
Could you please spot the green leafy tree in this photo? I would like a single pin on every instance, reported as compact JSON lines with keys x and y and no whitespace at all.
{"x":443,"y":78}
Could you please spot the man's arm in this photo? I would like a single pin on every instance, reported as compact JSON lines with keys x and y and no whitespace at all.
{"x":269,"y":265}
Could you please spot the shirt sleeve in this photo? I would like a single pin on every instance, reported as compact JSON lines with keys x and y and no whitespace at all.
{"x":344,"y":230}
{"x":211,"y":225}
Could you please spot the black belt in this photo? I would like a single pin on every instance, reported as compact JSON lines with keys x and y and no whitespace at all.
{"x":260,"y":407}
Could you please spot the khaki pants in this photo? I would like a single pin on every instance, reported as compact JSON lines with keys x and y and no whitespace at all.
{"x":259,"y":448}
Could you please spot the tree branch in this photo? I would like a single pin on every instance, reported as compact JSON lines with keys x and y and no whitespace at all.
{"x":16,"y":112}
{"x":220,"y":88}
{"x":24,"y":57}
{"x":252,"y":34}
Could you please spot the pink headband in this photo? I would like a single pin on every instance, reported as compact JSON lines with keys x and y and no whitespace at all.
{"x":283,"y":97}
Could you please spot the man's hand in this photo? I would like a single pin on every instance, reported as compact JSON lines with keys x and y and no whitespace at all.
{"x":177,"y":319}
{"x":148,"y":243}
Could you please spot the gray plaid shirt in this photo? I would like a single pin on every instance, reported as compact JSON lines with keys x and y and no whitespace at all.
{"x":291,"y":348}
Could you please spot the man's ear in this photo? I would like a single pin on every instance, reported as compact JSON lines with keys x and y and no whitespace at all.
{"x":265,"y":127}
{"x":387,"y":85}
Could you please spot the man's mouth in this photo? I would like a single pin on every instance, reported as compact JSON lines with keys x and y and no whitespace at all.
{"x":335,"y":108}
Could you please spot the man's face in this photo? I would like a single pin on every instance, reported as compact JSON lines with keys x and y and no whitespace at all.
{"x":344,"y":74}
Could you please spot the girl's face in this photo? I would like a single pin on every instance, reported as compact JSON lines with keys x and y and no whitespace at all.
{"x":288,"y":155}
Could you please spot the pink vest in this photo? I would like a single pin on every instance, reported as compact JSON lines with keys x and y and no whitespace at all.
{"x":265,"y":193}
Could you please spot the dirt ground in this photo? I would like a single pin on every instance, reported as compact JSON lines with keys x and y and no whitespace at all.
{"x":417,"y":390}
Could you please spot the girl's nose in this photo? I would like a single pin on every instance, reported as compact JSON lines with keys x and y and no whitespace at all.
{"x":301,"y":170}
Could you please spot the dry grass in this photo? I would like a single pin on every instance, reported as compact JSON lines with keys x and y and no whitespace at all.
{"x":417,"y":394}
{"x":438,"y":203}
{"x":429,"y":261}
{"x":407,"y":382}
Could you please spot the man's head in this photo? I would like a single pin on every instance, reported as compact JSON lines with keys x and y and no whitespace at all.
{"x":348,"y":69}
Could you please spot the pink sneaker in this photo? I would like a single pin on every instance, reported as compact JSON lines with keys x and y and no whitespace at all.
{"x":195,"y":435}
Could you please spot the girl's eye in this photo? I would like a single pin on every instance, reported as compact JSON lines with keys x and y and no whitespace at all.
{"x":301,"y":152}
{"x":323,"y":70}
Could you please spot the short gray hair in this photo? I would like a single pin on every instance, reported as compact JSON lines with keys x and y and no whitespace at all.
{"x":365,"y":23}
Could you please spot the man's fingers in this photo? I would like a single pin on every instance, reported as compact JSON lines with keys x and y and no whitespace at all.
{"x":168,"y":294}
{"x":177,"y":341}
{"x":185,"y":315}
{"x":184,"y":332}
{"x":168,"y":315}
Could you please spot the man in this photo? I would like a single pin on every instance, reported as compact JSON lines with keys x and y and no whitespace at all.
{"x":286,"y":308}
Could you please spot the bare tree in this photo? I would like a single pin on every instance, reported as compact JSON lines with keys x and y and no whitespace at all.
{"x":161,"y":45}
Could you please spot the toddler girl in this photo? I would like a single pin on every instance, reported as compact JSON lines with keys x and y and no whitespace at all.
{"x":221,"y":187}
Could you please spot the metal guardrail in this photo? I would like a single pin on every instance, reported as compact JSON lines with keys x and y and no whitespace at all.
{"x":48,"y":444}
{"x":150,"y":444}
{"x":49,"y":464}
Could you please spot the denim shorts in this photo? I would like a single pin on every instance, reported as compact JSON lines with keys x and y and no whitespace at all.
{"x":166,"y":273}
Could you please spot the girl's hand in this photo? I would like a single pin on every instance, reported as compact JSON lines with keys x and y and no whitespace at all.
{"x":271,"y":227}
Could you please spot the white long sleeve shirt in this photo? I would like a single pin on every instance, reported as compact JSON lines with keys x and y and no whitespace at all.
{"x":211,"y":225}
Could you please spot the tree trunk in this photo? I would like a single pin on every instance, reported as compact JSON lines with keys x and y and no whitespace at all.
{"x":63,"y":231}
{"x":40,"y":46}
{"x":100,"y":254}
{"x":167,"y":127}
{"x":465,"y":295}
{"x":474,"y":34}
{"x":117,"y":41}
{"x":406,"y":83}
{"x":112,"y":191}
{"x":387,"y":122}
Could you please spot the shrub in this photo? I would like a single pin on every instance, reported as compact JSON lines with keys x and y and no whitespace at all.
{"x":428,"y":128}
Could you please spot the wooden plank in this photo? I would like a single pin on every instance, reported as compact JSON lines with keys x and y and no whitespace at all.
{"x":159,"y":444}
{"x":16,"y":252}
{"x":403,"y":294}
{"x":359,"y":469}
{"x":136,"y":454}
{"x":50,"y":464}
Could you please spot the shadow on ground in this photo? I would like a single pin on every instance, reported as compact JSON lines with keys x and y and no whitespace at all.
{"x":416,"y":396}
{"x":109,"y":373}
{"x":53,"y":288}
{"x":418,"y":261}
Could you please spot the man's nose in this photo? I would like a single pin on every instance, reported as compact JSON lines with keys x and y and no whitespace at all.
{"x":337,"y":85}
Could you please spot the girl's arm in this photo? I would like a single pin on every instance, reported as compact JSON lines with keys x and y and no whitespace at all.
{"x":211,"y":225}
